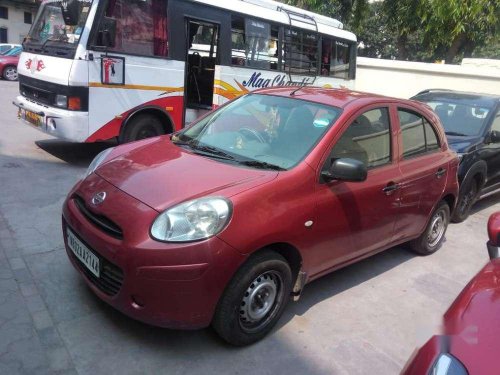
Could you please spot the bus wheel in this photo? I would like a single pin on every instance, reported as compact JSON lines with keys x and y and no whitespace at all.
{"x":141,"y":127}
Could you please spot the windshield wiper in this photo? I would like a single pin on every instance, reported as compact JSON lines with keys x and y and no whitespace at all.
{"x":212,"y":151}
{"x":60,"y":39}
{"x":456,"y":134}
{"x":261,"y":164}
{"x":204,"y":149}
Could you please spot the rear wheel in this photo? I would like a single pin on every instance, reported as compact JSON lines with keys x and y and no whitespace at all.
{"x":10,"y":73}
{"x":467,"y":198}
{"x":141,"y":127}
{"x":254,"y":299}
{"x":432,"y":237}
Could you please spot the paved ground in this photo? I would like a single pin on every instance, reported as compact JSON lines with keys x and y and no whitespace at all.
{"x":367,"y":318}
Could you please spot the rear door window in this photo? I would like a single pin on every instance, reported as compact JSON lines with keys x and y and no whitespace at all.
{"x":419,"y":136}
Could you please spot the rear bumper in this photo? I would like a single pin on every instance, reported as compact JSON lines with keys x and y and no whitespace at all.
{"x":69,"y":125}
{"x":168,"y":285}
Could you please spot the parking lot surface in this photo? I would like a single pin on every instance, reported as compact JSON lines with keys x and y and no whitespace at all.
{"x":365,"y":319}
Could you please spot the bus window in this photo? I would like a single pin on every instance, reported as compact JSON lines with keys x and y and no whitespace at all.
{"x":254,"y":43}
{"x":300,"y":52}
{"x":335,"y":58}
{"x":141,"y":26}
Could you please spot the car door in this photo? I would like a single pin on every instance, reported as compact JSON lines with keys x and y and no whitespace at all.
{"x":355,"y":218}
{"x":424,"y":172}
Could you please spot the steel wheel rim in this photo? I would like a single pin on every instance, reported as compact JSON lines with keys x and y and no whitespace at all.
{"x":11,"y":74}
{"x":261,"y":301}
{"x":147,"y":132}
{"x":437,"y":229}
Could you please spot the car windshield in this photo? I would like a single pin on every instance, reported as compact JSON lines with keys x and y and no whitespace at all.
{"x":460,"y":118}
{"x":261,"y":131}
{"x":51,"y":35}
{"x":13,"y":51}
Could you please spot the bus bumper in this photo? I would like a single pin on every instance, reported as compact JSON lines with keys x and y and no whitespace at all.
{"x":61,"y":123}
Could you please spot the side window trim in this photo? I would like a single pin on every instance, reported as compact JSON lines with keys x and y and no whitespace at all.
{"x":424,"y":119}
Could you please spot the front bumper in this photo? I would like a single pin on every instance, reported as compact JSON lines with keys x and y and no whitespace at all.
{"x":168,"y":285}
{"x":61,"y":123}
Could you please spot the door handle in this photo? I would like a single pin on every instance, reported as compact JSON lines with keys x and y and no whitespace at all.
{"x":391,"y":188}
{"x":440,"y":173}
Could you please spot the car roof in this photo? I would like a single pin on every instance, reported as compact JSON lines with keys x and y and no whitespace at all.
{"x":333,"y":97}
{"x":471,"y":98}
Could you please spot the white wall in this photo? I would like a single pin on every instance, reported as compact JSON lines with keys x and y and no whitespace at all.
{"x":404,"y":79}
{"x":16,"y":28}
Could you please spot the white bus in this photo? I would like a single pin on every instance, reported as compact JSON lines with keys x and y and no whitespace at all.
{"x":94,"y":70}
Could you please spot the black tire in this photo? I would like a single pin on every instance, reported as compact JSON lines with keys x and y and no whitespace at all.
{"x":10,"y":73}
{"x":141,"y":127}
{"x":466,"y":199}
{"x":240,"y":323}
{"x":432,"y":237}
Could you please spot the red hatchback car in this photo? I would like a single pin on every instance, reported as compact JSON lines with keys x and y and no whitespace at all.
{"x":470,"y":342}
{"x":221,"y":222}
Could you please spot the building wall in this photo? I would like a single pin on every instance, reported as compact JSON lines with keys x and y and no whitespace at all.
{"x":404,"y":79}
{"x":16,"y":28}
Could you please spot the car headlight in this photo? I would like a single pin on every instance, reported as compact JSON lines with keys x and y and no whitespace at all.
{"x":61,"y":101}
{"x":98,"y":161}
{"x":193,"y":220}
{"x":446,"y":364}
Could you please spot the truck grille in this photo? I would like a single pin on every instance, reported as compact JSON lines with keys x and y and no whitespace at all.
{"x":101,"y":222}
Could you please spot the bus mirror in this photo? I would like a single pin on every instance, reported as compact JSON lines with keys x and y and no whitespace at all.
{"x":70,"y":12}
{"x":107,"y":32}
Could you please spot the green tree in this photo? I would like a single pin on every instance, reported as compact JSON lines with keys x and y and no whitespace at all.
{"x":350,"y":12}
{"x":458,"y":26}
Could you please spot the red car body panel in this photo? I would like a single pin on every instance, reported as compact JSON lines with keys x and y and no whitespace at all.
{"x":185,"y":281}
{"x":8,"y":61}
{"x":471,"y":328}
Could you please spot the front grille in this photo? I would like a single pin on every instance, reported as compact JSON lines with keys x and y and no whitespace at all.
{"x":111,"y":276}
{"x":36,"y":94}
{"x":101,"y":222}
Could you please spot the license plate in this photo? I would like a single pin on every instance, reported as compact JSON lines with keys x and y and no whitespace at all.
{"x":82,"y":252}
{"x":30,"y":117}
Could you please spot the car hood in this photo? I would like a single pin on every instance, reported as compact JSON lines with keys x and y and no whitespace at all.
{"x":161,"y":174}
{"x":463,"y":145}
{"x":473,"y":321}
{"x":9,"y":59}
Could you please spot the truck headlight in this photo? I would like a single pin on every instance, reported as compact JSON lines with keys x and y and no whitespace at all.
{"x":197,"y":219}
{"x":61,"y":101}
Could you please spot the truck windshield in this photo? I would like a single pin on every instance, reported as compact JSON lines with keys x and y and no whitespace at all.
{"x":51,"y":35}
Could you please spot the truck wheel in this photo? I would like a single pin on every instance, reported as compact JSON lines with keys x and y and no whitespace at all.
{"x":10,"y":73}
{"x":142,"y":126}
{"x":432,"y":237}
{"x":466,"y":199}
{"x":254,"y":299}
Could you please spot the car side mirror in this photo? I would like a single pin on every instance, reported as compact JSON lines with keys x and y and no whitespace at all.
{"x":495,"y":136}
{"x":106,"y":35}
{"x":346,"y":169}
{"x":494,"y":236}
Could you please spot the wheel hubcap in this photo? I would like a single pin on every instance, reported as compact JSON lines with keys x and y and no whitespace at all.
{"x":437,"y":229}
{"x":11,"y":74}
{"x":260,"y":301}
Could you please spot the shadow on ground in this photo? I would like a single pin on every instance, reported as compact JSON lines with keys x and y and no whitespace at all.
{"x":314,"y":293}
{"x":76,"y":154}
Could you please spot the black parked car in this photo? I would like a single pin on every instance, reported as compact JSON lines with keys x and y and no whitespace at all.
{"x":472,"y":125}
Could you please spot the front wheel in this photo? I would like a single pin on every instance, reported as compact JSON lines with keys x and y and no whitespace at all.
{"x":10,"y":73}
{"x":432,"y":237}
{"x":254,"y":299}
